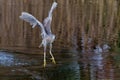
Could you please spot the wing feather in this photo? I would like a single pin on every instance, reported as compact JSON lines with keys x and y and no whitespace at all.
{"x":32,"y":20}
{"x":48,"y":20}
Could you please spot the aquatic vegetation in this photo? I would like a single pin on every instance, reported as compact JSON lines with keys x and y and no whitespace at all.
{"x":77,"y":24}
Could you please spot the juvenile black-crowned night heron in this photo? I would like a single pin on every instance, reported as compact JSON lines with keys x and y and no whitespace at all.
{"x":47,"y":36}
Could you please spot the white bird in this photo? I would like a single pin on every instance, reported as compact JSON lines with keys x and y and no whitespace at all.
{"x":47,"y":36}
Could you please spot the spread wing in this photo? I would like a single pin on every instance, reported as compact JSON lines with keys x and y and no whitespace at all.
{"x":32,"y":20}
{"x":48,"y":20}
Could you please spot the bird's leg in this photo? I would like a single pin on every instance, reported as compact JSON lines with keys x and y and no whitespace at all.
{"x":53,"y":59}
{"x":44,"y":56}
{"x":40,"y":44}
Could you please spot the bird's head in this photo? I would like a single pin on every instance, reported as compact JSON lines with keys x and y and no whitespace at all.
{"x":53,"y":37}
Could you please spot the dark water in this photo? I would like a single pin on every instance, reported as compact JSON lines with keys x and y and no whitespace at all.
{"x":87,"y":66}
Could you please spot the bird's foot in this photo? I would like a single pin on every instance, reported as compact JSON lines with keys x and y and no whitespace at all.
{"x":40,"y":45}
{"x":44,"y":65}
{"x":53,"y":60}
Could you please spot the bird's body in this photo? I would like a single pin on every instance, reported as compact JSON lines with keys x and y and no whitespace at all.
{"x":47,"y":39}
{"x":47,"y":36}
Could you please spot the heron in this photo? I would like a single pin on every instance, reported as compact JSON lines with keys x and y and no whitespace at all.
{"x":47,"y":36}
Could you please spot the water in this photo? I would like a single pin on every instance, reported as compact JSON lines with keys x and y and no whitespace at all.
{"x":87,"y":66}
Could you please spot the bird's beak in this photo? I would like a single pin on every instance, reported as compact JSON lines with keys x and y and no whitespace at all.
{"x":33,"y":26}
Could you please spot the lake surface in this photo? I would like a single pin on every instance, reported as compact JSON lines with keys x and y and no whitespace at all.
{"x":85,"y":66}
